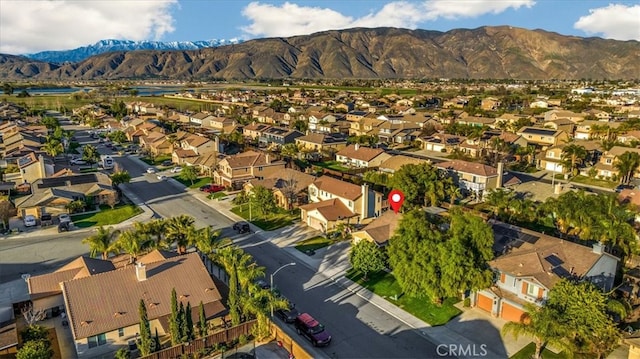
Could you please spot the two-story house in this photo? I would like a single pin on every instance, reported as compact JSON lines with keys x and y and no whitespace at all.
{"x":278,"y":136}
{"x":255,"y":130}
{"x":474,"y":177}
{"x":322,"y":142}
{"x":332,"y":201}
{"x":234,"y":171}
{"x":289,"y":187}
{"x":551,"y":159}
{"x":441,"y":142}
{"x":191,"y":146}
{"x":529,"y":264}
{"x":543,"y":137}
{"x":606,"y":167}
{"x":361,"y":156}
{"x":31,"y":167}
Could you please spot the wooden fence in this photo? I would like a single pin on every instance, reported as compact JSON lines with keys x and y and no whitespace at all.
{"x":198,"y":345}
{"x":285,"y":341}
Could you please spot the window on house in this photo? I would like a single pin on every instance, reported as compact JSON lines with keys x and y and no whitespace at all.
{"x":350,"y":204}
{"x":608,"y":161}
{"x":121,"y":332}
{"x":97,"y":340}
{"x":532,"y":290}
{"x":259,"y":168}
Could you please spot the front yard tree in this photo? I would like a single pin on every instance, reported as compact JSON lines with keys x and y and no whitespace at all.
{"x":103,"y":242}
{"x":180,"y":230}
{"x":572,"y":155}
{"x":35,"y":349}
{"x":263,"y":199}
{"x":75,"y":206}
{"x":144,"y":344}
{"x":6,"y":211}
{"x":90,"y":154}
{"x":117,"y":137}
{"x":627,"y":164}
{"x":543,"y":325}
{"x":120,"y":177}
{"x":365,"y":257}
{"x":421,"y":184}
{"x":53,"y":147}
{"x":189,"y":173}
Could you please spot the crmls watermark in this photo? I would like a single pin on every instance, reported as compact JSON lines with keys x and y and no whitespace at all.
{"x":462,"y":350}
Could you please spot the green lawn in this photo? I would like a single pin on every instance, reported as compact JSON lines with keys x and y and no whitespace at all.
{"x":314,"y":243}
{"x":158,"y":160}
{"x":332,"y":165}
{"x":217,"y":195}
{"x":594,"y":181}
{"x":106,"y":216}
{"x":280,"y":218}
{"x":196,"y":184}
{"x":386,"y":286}
{"x":527,"y":353}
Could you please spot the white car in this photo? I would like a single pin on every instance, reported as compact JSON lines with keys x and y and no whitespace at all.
{"x":30,"y":221}
{"x":151,"y":170}
{"x":64,"y":217}
{"x":176,"y":169}
{"x":78,"y":162}
{"x":162,"y":177}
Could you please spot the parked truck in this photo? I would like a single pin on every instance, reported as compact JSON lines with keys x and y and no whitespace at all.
{"x":107,"y":162}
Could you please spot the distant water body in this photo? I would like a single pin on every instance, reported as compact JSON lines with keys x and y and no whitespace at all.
{"x":142,"y":90}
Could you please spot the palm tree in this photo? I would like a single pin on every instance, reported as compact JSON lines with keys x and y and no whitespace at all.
{"x":53,"y":147}
{"x":208,"y":241}
{"x":453,"y":192}
{"x":627,"y":164}
{"x":180,"y":230}
{"x":156,"y":229}
{"x":90,"y":154}
{"x":103,"y":242}
{"x":542,"y":325}
{"x":132,"y":243}
{"x":573,"y":154}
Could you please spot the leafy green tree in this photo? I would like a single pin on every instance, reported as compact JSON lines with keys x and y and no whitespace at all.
{"x":53,"y":147}
{"x":50,"y":123}
{"x":627,"y":163}
{"x":144,"y":343}
{"x":90,"y":154}
{"x":263,"y":200}
{"x":174,"y":319}
{"x":202,"y":323}
{"x":103,"y":242}
{"x":365,"y":256}
{"x":543,"y":325}
{"x":120,"y":177}
{"x":421,"y":184}
{"x":189,"y":322}
{"x":189,"y":173}
{"x":123,"y":353}
{"x":75,"y":206}
{"x":117,"y":137}
{"x":35,"y":349}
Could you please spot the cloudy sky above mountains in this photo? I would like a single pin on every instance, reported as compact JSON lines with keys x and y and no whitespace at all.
{"x":28,"y":26}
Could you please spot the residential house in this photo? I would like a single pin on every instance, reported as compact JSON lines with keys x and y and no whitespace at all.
{"x":191,"y":146}
{"x":543,"y":137}
{"x":473,"y":177}
{"x":316,"y":119}
{"x":476,"y":121}
{"x":393,"y":163}
{"x":606,"y":167}
{"x":561,"y":124}
{"x":289,"y":187}
{"x":380,"y":230}
{"x":332,"y":200}
{"x":263,"y":114}
{"x":234,"y":171}
{"x":441,"y":142}
{"x":490,"y":103}
{"x":628,"y":137}
{"x":365,"y":126}
{"x":255,"y":130}
{"x":206,"y":163}
{"x":551,"y":159}
{"x":102,"y":303}
{"x":528,"y":265}
{"x":539,"y":104}
{"x":398,"y":132}
{"x":278,"y":136}
{"x":51,"y":195}
{"x":361,"y":156}
{"x":31,"y":167}
{"x":322,"y":142}
{"x":557,"y":114}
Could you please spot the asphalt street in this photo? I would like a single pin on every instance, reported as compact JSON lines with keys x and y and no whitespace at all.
{"x":359,"y":329}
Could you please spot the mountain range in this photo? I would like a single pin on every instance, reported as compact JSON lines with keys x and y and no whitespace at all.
{"x":102,"y":46}
{"x":501,"y":52}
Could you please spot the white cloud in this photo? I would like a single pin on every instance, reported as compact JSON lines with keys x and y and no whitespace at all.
{"x":29,"y":26}
{"x":615,"y":21}
{"x":292,"y":19}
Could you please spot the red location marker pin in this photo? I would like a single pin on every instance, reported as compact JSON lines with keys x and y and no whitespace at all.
{"x":396,"y":198}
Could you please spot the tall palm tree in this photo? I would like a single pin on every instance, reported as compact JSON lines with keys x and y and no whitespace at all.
{"x":180,"y":230}
{"x":627,"y":164}
{"x":132,"y":243}
{"x":542,"y":325}
{"x":53,"y":147}
{"x":573,"y":154}
{"x":208,"y":240}
{"x":103,"y":242}
{"x":156,"y":229}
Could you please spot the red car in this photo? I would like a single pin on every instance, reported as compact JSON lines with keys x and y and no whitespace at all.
{"x":211,"y":188}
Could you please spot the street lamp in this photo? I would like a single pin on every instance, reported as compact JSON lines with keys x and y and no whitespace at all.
{"x":276,"y":272}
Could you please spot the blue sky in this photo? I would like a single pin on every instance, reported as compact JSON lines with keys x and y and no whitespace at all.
{"x":35,"y":25}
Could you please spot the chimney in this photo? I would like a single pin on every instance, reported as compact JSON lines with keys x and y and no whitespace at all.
{"x":267,"y":158}
{"x":597,"y":248}
{"x":141,"y":272}
{"x":364,"y":212}
{"x":357,"y":146}
{"x":500,"y":174}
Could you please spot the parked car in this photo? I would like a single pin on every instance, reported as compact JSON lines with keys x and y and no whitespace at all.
{"x":167,"y":163}
{"x":46,"y":219}
{"x":621,"y":187}
{"x":151,"y":170}
{"x":162,"y":177}
{"x":65,"y":227}
{"x":289,"y":314}
{"x":30,"y":221}
{"x":312,"y":330}
{"x":213,"y":188}
{"x":241,"y":227}
{"x":176,"y":170}
{"x":78,"y":162}
{"x":204,"y":188}
{"x":64,"y":217}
